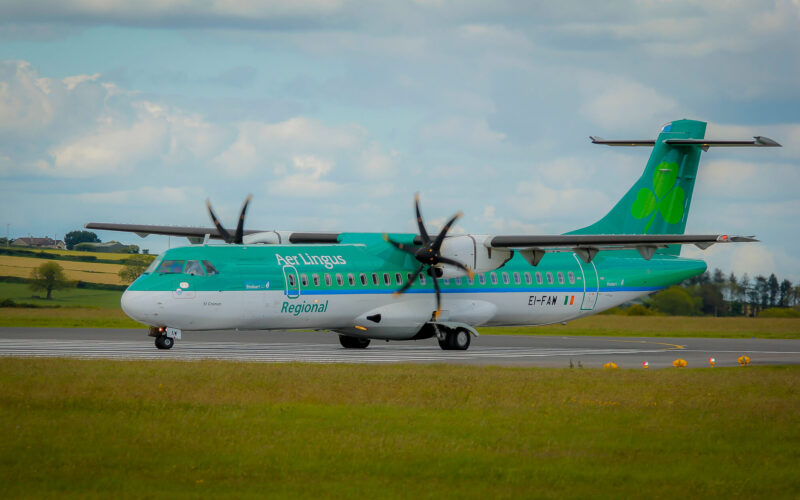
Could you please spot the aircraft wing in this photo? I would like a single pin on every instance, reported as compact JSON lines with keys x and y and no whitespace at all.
{"x":197,"y":234}
{"x":587,"y":245}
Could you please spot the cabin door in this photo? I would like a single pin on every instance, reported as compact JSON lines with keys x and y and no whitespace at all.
{"x":591,"y":285}
{"x":291,"y":281}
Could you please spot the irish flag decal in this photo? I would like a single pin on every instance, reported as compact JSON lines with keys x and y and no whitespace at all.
{"x":569,"y":300}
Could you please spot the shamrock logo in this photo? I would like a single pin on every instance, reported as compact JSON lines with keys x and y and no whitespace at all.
{"x":666,"y":197}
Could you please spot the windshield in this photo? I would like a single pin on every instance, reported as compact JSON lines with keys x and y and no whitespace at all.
{"x":171,"y":267}
{"x":152,"y":266}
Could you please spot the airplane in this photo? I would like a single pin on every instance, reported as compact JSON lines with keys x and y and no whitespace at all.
{"x":406,"y":286}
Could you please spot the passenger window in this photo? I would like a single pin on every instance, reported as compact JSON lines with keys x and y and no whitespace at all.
{"x":194,"y":268}
{"x":209,"y":268}
{"x":408,"y":276}
{"x":505,"y":278}
{"x":493,"y":277}
{"x":171,"y":267}
{"x":470,"y":281}
{"x":352,"y":279}
{"x":421,"y":279}
{"x":339,"y":280}
{"x":482,"y":279}
{"x":363,"y":278}
{"x":327,"y":279}
{"x":291,"y":280}
{"x":386,"y":279}
{"x":528,"y":279}
{"x":315,"y":277}
{"x":549,"y":278}
{"x":571,"y":277}
{"x":399,"y":278}
{"x":539,"y":278}
{"x":304,"y":280}
{"x":458,"y":281}
{"x":446,"y":281}
{"x":560,"y":278}
{"x":374,"y":278}
{"x":517,"y":280}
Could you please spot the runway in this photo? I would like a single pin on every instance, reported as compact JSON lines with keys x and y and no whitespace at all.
{"x":323,"y":347}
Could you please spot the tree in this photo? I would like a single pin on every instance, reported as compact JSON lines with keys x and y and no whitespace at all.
{"x":676,"y":301}
{"x":773,"y":287}
{"x":72,"y":238}
{"x":49,"y":276}
{"x":134,"y":267}
{"x":786,"y":294}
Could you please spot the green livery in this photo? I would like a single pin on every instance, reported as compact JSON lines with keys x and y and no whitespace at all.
{"x":414,"y":286}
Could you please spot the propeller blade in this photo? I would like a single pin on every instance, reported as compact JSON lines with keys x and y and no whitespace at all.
{"x":240,"y":226}
{"x":422,"y":232}
{"x":445,"y":260}
{"x":222,"y":231}
{"x":440,"y":237}
{"x":438,"y":311}
{"x":410,"y":282}
{"x":406,"y":248}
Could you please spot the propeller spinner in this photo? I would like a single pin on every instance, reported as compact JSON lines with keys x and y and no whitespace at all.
{"x":236,"y":238}
{"x":429,"y":255}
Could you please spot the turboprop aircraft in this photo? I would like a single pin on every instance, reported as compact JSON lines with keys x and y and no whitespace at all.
{"x":399,"y":286}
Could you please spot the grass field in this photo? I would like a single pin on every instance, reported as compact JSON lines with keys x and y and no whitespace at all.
{"x":84,"y":271}
{"x":70,"y":297}
{"x":76,"y":428}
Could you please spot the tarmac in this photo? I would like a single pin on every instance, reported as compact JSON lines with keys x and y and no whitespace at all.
{"x":323,"y":347}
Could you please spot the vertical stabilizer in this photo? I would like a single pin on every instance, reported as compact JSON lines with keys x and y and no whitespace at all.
{"x":658,"y":202}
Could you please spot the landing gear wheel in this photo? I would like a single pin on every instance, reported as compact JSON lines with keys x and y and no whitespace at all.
{"x":456,"y":340}
{"x":164,"y":342}
{"x":353,"y":342}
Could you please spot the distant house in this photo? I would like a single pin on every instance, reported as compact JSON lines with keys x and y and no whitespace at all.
{"x":39,"y":243}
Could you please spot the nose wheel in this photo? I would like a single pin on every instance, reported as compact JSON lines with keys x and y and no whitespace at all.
{"x":164,"y":342}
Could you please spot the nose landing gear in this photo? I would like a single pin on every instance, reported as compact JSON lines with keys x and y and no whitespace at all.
{"x":165,"y":337}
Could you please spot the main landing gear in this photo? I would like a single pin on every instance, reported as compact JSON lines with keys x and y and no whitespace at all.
{"x":353,"y":342}
{"x":165,"y":337}
{"x":453,"y":339}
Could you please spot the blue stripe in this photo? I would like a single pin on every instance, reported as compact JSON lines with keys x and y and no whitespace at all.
{"x":488,"y":290}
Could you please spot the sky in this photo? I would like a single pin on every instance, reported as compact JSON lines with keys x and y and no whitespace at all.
{"x":334,"y":113}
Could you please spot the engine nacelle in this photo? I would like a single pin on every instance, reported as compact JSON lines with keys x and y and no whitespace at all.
{"x":469,"y":249}
{"x":268,"y":238}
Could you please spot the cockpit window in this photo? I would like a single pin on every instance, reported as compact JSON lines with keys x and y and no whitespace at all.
{"x":209,"y":268}
{"x":194,"y":268}
{"x":152,"y":266}
{"x":171,"y":267}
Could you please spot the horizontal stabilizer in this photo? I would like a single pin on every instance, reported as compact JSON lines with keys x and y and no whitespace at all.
{"x":758,"y":141}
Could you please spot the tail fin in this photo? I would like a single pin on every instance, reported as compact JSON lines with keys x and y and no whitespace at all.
{"x":658,"y":203}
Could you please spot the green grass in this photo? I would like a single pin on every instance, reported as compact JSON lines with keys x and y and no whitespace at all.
{"x":66,"y":318}
{"x":70,"y":297}
{"x":163,"y":429}
{"x":662,"y":326}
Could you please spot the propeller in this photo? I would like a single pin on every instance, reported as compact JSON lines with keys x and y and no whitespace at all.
{"x":428,"y":255}
{"x":236,"y":238}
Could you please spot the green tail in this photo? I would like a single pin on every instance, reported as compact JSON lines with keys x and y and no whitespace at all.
{"x":658,"y":203}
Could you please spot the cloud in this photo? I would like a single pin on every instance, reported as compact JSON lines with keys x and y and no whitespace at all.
{"x":462,"y":131}
{"x":619,"y":103}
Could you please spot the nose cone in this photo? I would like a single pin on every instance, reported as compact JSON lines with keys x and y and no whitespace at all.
{"x":138,"y":305}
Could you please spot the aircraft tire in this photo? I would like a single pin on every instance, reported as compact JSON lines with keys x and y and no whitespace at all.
{"x":456,"y":340}
{"x":164,"y":342}
{"x":349,"y":342}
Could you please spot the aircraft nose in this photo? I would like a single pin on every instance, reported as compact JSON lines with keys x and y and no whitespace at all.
{"x":138,"y":305}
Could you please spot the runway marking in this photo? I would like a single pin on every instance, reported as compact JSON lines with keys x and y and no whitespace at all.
{"x":674,"y":346}
{"x":283,"y":352}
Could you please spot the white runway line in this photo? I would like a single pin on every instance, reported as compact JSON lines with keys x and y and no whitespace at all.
{"x":281,"y":352}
